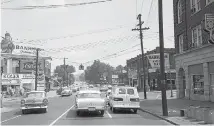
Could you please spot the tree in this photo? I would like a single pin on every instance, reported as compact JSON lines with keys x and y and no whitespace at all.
{"x":119,"y":69}
{"x":64,"y":73}
{"x":95,"y":72}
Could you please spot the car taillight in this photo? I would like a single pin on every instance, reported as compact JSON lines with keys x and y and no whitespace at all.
{"x":45,"y":102}
{"x":118,"y":99}
{"x":22,"y":102}
{"x":134,"y":99}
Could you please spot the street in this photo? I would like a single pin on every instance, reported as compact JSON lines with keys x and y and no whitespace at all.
{"x":61,"y":112}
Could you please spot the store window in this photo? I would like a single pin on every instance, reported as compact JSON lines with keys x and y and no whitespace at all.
{"x":198,"y":84}
{"x":212,"y":83}
{"x":179,"y":7}
{"x":196,"y":36}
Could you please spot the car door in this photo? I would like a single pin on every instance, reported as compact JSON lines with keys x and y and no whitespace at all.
{"x":121,"y":96}
{"x":132,"y":97}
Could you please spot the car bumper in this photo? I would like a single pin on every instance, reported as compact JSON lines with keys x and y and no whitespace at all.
{"x":65,"y":94}
{"x":88,"y":110}
{"x":128,"y":106}
{"x":36,"y":107}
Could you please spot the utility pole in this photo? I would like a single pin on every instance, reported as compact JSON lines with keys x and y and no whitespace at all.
{"x":64,"y":70}
{"x":37,"y":60}
{"x":162,"y":64}
{"x":141,"y":42}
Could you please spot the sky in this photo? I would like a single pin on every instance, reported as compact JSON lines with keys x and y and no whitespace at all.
{"x":87,"y":32}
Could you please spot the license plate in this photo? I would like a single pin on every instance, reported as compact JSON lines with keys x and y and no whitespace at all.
{"x":91,"y":109}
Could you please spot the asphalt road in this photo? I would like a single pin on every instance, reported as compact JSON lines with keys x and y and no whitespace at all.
{"x":61,"y":112}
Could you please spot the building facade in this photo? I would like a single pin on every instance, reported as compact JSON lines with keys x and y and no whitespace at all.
{"x":18,"y":67}
{"x":152,"y":65}
{"x":194,"y":53}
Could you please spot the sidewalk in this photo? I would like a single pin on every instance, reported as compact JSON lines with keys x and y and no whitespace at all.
{"x":154,"y":106}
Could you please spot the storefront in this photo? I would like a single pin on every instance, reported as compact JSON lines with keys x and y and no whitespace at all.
{"x":10,"y":82}
{"x":195,"y":74}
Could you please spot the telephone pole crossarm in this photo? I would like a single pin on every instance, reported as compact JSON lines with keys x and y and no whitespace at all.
{"x":137,"y":29}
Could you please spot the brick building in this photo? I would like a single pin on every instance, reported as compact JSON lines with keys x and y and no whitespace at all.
{"x":194,"y":54}
{"x":135,"y":69}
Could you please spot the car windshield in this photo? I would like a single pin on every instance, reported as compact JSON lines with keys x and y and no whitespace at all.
{"x":35,"y":94}
{"x":89,"y":95}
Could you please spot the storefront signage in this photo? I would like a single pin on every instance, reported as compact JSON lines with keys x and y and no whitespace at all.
{"x":19,"y":49}
{"x":154,"y":60}
{"x":10,"y":76}
{"x":27,"y":66}
{"x":10,"y":79}
{"x":209,"y":26}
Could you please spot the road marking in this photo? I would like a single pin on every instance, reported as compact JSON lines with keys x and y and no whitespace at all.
{"x":109,"y":114}
{"x":158,"y":96}
{"x":11,"y":118}
{"x":61,"y":116}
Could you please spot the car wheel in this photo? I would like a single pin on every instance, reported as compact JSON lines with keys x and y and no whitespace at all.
{"x":23,"y":111}
{"x":102,"y":112}
{"x":78,"y":113}
{"x":135,"y":110}
{"x":44,"y":110}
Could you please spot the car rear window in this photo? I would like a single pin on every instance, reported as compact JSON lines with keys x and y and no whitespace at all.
{"x":130,"y":91}
{"x":122,"y":91}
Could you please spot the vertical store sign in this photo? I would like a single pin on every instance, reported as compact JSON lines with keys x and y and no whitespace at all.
{"x":209,"y":26}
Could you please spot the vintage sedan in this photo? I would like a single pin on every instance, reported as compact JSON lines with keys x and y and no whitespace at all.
{"x":66,"y":92}
{"x":90,"y":101}
{"x":34,"y":100}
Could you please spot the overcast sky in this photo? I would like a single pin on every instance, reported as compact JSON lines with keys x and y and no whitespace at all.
{"x":108,"y":25}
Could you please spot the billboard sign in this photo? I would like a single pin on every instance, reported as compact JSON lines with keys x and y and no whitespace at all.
{"x":27,"y":66}
{"x":154,"y":61}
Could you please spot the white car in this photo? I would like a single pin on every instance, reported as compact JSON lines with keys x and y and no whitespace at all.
{"x":124,"y":98}
{"x":66,"y":92}
{"x":34,"y":100}
{"x":90,"y":101}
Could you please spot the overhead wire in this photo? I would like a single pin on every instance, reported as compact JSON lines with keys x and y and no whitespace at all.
{"x":54,"y":6}
{"x":150,"y":9}
{"x":44,"y":40}
{"x":142,"y":7}
{"x":113,"y":54}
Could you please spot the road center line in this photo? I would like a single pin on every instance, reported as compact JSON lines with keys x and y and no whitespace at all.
{"x":61,"y":116}
{"x":158,"y":96}
{"x":11,"y":118}
{"x":109,"y":114}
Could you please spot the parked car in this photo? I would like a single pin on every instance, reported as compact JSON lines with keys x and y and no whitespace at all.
{"x":66,"y":92}
{"x":90,"y":101}
{"x":34,"y":100}
{"x":124,"y":98}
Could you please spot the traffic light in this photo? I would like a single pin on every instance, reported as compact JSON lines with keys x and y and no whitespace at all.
{"x":81,"y":67}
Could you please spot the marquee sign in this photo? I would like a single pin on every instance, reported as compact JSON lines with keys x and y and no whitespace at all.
{"x":209,"y":26}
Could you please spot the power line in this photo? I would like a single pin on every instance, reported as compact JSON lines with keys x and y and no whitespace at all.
{"x":113,"y":54}
{"x":44,"y":40}
{"x":8,"y":1}
{"x":150,"y":9}
{"x":94,"y":44}
{"x":142,"y":6}
{"x":54,"y":6}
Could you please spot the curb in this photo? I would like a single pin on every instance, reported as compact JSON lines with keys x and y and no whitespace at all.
{"x":161,"y":117}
